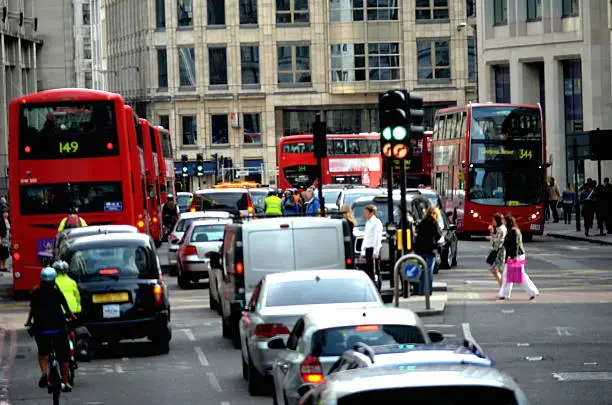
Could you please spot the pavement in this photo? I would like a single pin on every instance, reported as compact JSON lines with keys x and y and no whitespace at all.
{"x":569,"y":232}
{"x":559,"y":346}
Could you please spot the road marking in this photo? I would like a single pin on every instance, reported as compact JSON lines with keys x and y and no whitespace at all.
{"x":214,"y":382}
{"x":467,"y":331}
{"x":563,"y":331}
{"x":583,"y":376}
{"x":119,"y":368}
{"x":201,"y":357}
{"x":93,"y":403}
{"x":225,"y":402}
{"x":486,"y":282}
{"x":522,"y":344}
{"x":189,"y":334}
{"x":534,"y":358}
{"x":592,"y":363}
{"x":439,"y":325}
{"x":449,"y":335}
{"x":507,"y":311}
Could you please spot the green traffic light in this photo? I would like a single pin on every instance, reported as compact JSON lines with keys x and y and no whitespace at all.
{"x":185,"y":169}
{"x":199,"y":168}
{"x":386,"y":133}
{"x":399,"y":133}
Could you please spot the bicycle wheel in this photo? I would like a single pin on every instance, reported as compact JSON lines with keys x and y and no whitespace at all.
{"x":55,"y":380}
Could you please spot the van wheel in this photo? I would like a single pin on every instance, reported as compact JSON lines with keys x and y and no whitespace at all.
{"x":255,"y":381}
{"x":181,"y":280}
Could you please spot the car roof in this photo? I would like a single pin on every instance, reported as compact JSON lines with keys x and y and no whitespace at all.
{"x":361,"y":190}
{"x":260,"y":189}
{"x":302,"y":275}
{"x":349,"y":317}
{"x":210,"y":221}
{"x":116,"y":239}
{"x":100,"y":229}
{"x":205,"y":214}
{"x":222,"y":190}
{"x":266,"y":223}
{"x":396,"y":355}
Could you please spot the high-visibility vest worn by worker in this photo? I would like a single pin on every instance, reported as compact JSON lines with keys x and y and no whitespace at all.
{"x":69,"y":288}
{"x":71,"y":221}
{"x":274,"y":205}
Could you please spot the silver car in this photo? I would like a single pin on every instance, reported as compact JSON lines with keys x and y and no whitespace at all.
{"x":279,"y":300}
{"x":202,"y":236}
{"x":319,"y":338}
{"x":185,"y":219}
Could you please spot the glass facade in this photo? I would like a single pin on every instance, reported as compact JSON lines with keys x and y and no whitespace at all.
{"x":502,"y":83}
{"x":572,"y":108}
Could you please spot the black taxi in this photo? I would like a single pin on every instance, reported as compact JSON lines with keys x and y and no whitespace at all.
{"x":123,"y":295}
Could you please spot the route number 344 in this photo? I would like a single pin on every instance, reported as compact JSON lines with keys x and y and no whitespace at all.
{"x":525,"y":154}
{"x":68,"y":147}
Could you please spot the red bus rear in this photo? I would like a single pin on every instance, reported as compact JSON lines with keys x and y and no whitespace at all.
{"x":67,"y":147}
{"x":166,"y":163}
{"x":153,"y":185}
{"x":138,"y":175}
{"x":351,"y":159}
{"x":489,"y":158}
{"x":418,"y":167}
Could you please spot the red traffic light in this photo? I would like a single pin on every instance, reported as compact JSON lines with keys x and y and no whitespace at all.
{"x":386,"y":150}
{"x":400,"y":151}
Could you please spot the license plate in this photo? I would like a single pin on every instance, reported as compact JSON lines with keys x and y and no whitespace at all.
{"x":111,"y":311}
{"x":534,"y":227}
{"x":110,"y":297}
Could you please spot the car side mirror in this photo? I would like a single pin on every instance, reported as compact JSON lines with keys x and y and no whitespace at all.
{"x":304,"y":389}
{"x":452,"y":227}
{"x":276,"y":344}
{"x":435,"y":336}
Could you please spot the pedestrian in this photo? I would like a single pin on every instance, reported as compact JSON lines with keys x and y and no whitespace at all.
{"x":515,"y":250}
{"x":312,"y":203}
{"x":3,"y":203}
{"x":273,"y":205}
{"x":372,"y":241}
{"x":347,"y":213}
{"x":553,"y":198}
{"x":290,"y":207}
{"x":608,"y":192}
{"x":568,"y":203}
{"x":588,"y":199}
{"x":428,"y":239}
{"x":497,"y":255}
{"x":5,"y":240}
{"x":602,"y":206}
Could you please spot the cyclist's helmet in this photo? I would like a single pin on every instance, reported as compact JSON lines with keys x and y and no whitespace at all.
{"x":48,"y":274}
{"x":73,"y":210}
{"x":60,"y":266}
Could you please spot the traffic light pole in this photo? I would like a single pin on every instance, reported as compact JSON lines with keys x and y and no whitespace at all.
{"x":404,"y":219}
{"x":390,"y":225}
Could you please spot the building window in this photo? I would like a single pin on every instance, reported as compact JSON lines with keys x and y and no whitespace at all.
{"x":359,"y":10}
{"x":252,"y":128}
{"x":86,"y":14}
{"x":88,"y":80}
{"x":470,"y":8}
{"x":472,"y":60}
{"x":162,"y":68}
{"x":86,"y":49}
{"x":534,"y":10}
{"x":217,"y":66}
{"x":344,"y":121}
{"x":216,"y":12}
{"x":572,"y":90}
{"x":291,"y":11}
{"x":294,"y":64}
{"x":434,"y":59}
{"x":348,"y":62}
{"x":249,"y":64}
{"x":164,"y":121}
{"x":219,"y":126}
{"x":187,"y":71}
{"x":383,"y":61}
{"x":297,"y":122}
{"x":160,"y":13}
{"x":432,"y":9}
{"x":501,"y":75}
{"x":184,"y":10}
{"x":570,"y":8}
{"x":500,"y":12}
{"x":248,"y":11}
{"x":190,"y":129}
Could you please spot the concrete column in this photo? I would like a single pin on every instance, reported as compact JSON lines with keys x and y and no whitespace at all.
{"x":516,"y":80}
{"x":555,"y":118}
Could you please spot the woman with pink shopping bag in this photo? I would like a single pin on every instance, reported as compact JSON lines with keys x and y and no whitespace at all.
{"x":514,"y":271}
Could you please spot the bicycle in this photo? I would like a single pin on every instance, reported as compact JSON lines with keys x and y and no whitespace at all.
{"x":54,"y":373}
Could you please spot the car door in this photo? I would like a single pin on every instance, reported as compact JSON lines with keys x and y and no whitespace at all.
{"x":287,"y":363}
{"x":250,"y":319}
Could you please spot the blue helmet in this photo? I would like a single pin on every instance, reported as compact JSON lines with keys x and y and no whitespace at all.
{"x":48,"y":274}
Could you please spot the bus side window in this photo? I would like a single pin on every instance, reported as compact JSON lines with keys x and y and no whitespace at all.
{"x":436,"y":133}
{"x":463,"y":124}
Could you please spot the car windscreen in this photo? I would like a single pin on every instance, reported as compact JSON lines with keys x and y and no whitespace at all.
{"x":183,"y":224}
{"x":331,"y":196}
{"x":382,"y":212}
{"x":208,"y":233}
{"x":434,"y":395}
{"x":183,"y":201}
{"x":259,"y":198}
{"x":224,"y":201}
{"x":111,"y":261}
{"x":350,"y":198}
{"x":322,"y":291}
{"x":334,"y":341}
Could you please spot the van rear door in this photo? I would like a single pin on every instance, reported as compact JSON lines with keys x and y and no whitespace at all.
{"x":319,"y":245}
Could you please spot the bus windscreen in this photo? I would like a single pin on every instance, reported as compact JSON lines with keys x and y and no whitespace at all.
{"x":58,"y":198}
{"x":67,"y":130}
{"x":506,"y":123}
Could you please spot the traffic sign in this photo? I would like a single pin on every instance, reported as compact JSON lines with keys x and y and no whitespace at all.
{"x":242,"y":173}
{"x":412,"y":271}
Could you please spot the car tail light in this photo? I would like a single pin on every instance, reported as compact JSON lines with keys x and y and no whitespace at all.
{"x":155,"y":220}
{"x":140,"y":224}
{"x":239,"y":268}
{"x":250,"y":206}
{"x":349,"y":261}
{"x":311,"y":370}
{"x":190,"y":250}
{"x":158,"y":295}
{"x":192,"y":209}
{"x":269,"y":330}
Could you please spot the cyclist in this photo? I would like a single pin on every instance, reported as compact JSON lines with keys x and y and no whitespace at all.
{"x":48,"y":308}
{"x":73,"y":220}
{"x":170,"y":212}
{"x":68,"y":287}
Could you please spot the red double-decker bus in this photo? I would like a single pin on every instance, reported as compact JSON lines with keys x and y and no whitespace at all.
{"x":351,"y":159}
{"x":67,"y":147}
{"x":138,"y":176}
{"x":153,"y":180}
{"x":166,"y":163}
{"x":490,"y":158}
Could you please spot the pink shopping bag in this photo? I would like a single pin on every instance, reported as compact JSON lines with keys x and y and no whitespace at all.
{"x":515,"y":271}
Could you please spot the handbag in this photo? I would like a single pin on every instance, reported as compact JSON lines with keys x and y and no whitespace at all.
{"x":514,"y":269}
{"x":492,"y":256}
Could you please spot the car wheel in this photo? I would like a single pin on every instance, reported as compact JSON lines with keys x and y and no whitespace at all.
{"x":158,"y":243}
{"x":255,"y":380}
{"x":173,"y":271}
{"x":162,"y":341}
{"x":447,"y":257}
{"x":438,"y":263}
{"x":528,"y":237}
{"x":181,"y":280}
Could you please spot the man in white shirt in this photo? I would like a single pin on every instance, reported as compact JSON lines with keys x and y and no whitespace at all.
{"x":372,"y":240}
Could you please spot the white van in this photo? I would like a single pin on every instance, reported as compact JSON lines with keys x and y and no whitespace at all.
{"x":258,"y":247}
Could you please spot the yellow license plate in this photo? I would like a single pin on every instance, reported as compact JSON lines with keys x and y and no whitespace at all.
{"x":110,"y":298}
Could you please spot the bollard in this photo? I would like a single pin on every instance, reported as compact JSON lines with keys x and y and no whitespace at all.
{"x":422,"y":266}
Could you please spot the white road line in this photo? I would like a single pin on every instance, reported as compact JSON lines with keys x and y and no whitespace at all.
{"x":507,"y":311}
{"x":225,"y":403}
{"x":189,"y":334}
{"x":563,"y":331}
{"x":467,"y":331}
{"x":119,"y":368}
{"x":201,"y":357}
{"x":214,"y":382}
{"x":448,"y":335}
{"x":485,"y":282}
{"x":439,"y":325}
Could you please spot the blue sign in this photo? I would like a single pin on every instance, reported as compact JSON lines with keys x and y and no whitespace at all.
{"x":209,"y":168}
{"x":44,"y":248}
{"x":412,"y":271}
{"x":113,"y":206}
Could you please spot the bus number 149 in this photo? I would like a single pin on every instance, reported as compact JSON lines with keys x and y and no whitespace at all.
{"x":68,"y":147}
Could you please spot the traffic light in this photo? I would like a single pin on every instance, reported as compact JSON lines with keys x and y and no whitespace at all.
{"x":200,"y":165}
{"x":185,"y":165}
{"x":215,"y":159}
{"x":416,"y":114}
{"x":319,"y":134}
{"x":394,"y":117}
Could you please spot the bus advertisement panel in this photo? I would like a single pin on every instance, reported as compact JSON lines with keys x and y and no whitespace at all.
{"x":67,"y":148}
{"x":490,"y":158}
{"x":351,"y":159}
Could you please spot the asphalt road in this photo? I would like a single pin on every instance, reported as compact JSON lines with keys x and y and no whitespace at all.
{"x":560,"y":353}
